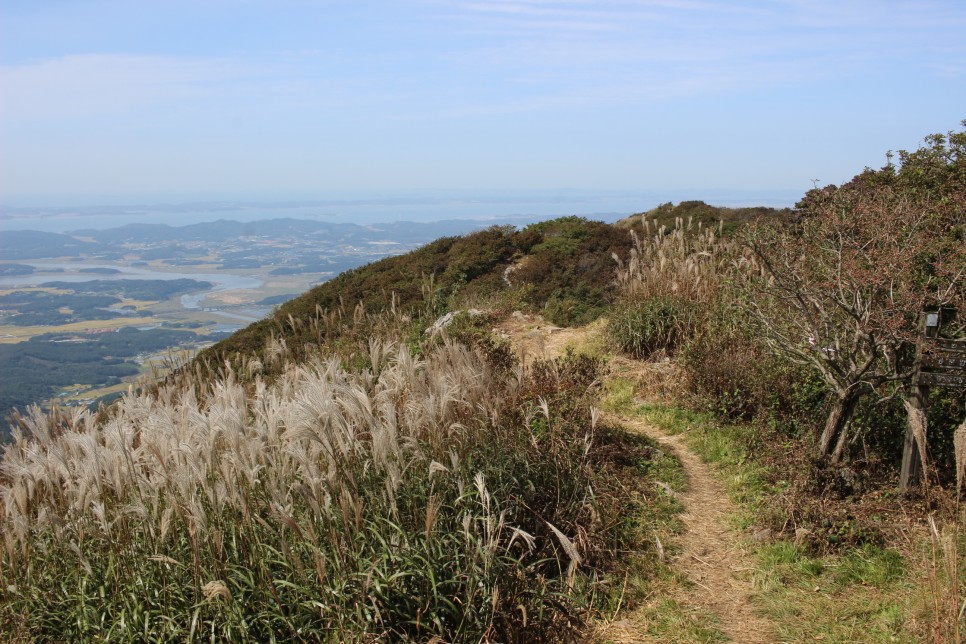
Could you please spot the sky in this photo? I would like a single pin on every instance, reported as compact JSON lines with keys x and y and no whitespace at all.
{"x":117,"y":100}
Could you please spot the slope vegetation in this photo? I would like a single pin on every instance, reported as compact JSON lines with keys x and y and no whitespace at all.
{"x":563,"y":268}
{"x":379,"y":483}
{"x":699,"y":212}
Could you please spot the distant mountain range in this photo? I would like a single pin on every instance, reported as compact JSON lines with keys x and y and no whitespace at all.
{"x":32,"y":244}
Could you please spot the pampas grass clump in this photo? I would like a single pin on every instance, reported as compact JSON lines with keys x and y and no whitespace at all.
{"x":669,"y":285}
{"x":411,"y":499}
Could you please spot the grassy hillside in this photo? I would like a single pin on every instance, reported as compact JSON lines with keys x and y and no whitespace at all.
{"x":563,"y":269}
{"x":414,"y":499}
{"x":343,"y":476}
{"x":699,"y":212}
{"x":385,"y":485}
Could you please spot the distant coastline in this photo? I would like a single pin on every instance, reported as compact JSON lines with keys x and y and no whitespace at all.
{"x":380,"y":208}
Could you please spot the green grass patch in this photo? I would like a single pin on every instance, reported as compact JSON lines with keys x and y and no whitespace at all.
{"x":670,"y":621}
{"x":867,"y":593}
{"x":726,"y":447}
{"x":618,"y":395}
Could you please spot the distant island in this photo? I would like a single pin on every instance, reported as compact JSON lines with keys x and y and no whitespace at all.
{"x":15,"y":269}
{"x":100,"y":270}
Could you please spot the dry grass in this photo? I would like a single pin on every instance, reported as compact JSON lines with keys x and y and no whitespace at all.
{"x":407,"y":497}
{"x":686,"y":261}
{"x":669,"y":286}
{"x":946,"y":580}
{"x":959,"y":449}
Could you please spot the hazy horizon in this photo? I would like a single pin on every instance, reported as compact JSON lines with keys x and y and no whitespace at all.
{"x":380,"y":207}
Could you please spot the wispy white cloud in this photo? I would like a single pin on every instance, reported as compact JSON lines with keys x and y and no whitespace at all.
{"x":617,"y":90}
{"x":80,"y":87}
{"x":867,"y":15}
{"x":564,"y":49}
{"x":528,"y":53}
{"x":85,"y":85}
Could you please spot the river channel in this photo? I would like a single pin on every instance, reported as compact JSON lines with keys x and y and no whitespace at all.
{"x":71,"y":272}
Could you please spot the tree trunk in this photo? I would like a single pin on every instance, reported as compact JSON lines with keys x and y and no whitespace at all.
{"x":838,"y":419}
{"x":842,"y":441}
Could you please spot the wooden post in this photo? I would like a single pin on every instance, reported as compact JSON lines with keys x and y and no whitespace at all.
{"x":911,"y":462}
{"x":940,"y":362}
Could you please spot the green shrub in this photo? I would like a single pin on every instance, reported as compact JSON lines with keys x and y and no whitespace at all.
{"x":644,"y":327}
{"x":731,"y":374}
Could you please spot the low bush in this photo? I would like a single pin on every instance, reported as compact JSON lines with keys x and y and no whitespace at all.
{"x":644,"y":327}
{"x":732,"y":375}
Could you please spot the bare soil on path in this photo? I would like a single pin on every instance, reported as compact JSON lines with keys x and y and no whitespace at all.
{"x":709,"y":554}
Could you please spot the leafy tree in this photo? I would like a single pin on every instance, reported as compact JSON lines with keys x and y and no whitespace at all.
{"x":842,"y":289}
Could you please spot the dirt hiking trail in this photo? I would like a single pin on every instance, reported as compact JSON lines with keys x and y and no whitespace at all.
{"x":711,"y":556}
{"x":709,"y":552}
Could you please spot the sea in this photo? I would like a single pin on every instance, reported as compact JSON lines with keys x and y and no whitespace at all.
{"x":377,"y":207}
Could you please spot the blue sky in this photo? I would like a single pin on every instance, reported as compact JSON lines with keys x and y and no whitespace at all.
{"x":255,"y":98}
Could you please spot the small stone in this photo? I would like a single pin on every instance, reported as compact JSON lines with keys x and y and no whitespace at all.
{"x":762,"y":535}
